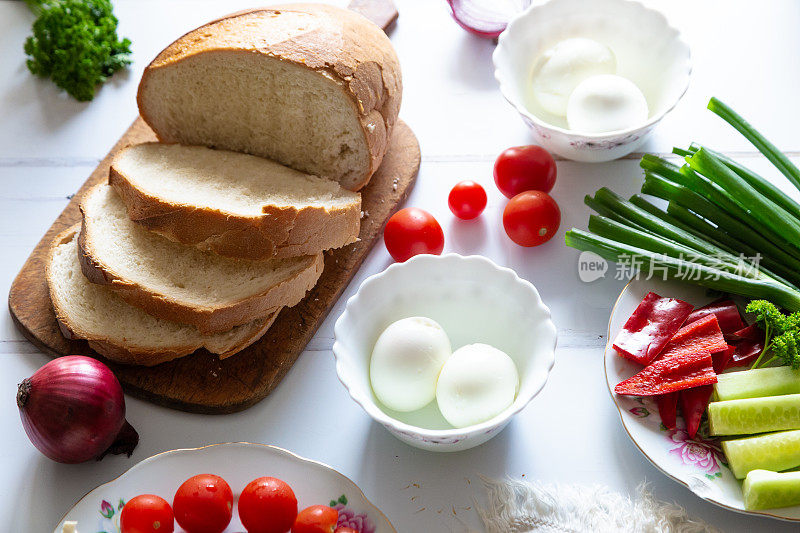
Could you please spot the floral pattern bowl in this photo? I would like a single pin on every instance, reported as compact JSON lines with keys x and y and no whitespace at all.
{"x":649,"y":52}
{"x":474,"y":300}
{"x":238,"y":463}
{"x":696,"y":463}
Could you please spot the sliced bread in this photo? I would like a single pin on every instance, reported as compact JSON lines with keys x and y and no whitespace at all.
{"x":180,"y":283}
{"x":233,"y":204}
{"x":119,"y":331}
{"x":314,"y":87}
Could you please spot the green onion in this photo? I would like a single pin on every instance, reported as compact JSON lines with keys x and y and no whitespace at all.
{"x":769,"y":150}
{"x":675,"y":268}
{"x":759,"y":207}
{"x":719,"y":213}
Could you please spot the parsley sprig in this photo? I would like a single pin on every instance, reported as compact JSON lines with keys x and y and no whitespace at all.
{"x":75,"y":44}
{"x":782,"y":342}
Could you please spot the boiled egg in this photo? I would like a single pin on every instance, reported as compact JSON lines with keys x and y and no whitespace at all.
{"x":560,"y":69}
{"x":606,"y":103}
{"x":477,"y":383}
{"x":406,"y":362}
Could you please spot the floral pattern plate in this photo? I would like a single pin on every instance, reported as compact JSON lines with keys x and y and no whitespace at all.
{"x":239,"y":463}
{"x":698,"y":464}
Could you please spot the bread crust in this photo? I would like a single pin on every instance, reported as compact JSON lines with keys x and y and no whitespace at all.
{"x":340,"y":45}
{"x":278,"y":233}
{"x":131,"y":354}
{"x":207,"y":319}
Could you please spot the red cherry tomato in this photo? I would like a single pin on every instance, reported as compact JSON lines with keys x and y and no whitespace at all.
{"x":524,"y":168}
{"x":203,"y":504}
{"x":467,"y":200}
{"x":412,"y":231}
{"x":531,"y":218}
{"x":267,"y":505}
{"x":345,"y":529}
{"x":147,"y":513}
{"x":316,"y":519}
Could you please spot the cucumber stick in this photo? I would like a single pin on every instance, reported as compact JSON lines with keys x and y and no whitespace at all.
{"x":754,"y":415}
{"x":772,"y":381}
{"x":773,"y":451}
{"x":767,"y":490}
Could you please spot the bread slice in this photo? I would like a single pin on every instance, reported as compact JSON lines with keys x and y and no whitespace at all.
{"x":119,"y":331}
{"x":314,"y":87}
{"x":178,"y":282}
{"x":233,"y":204}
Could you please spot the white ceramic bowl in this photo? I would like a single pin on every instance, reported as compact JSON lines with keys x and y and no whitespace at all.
{"x":474,"y":300}
{"x":649,"y":52}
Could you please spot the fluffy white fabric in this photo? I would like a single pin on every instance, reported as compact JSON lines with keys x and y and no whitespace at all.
{"x":519,"y":507}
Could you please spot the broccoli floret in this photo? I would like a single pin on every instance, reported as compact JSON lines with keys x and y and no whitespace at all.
{"x":75,"y":43}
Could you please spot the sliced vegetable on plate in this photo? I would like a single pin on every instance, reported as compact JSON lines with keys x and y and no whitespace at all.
{"x":772,"y":451}
{"x":701,"y":335}
{"x":727,"y":313}
{"x":650,"y":327}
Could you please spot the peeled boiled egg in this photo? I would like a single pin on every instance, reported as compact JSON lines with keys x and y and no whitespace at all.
{"x":560,"y":69}
{"x":406,"y":362}
{"x":476,"y":383}
{"x":606,"y":103}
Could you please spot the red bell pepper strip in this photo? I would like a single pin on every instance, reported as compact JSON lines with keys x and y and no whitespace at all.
{"x":701,"y":335}
{"x":667,"y":409}
{"x":727,"y":314}
{"x":683,"y":371}
{"x":694,"y":403}
{"x":650,"y":327}
{"x":746,"y":353}
{"x":721,"y":360}
{"x":750,"y":333}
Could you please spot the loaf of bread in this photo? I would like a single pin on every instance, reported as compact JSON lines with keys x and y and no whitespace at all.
{"x":119,"y":331}
{"x":233,"y":204}
{"x":314,"y":87}
{"x":180,"y":283}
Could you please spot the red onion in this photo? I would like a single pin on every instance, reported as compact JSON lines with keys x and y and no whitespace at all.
{"x":485,"y":18}
{"x":73,"y":410}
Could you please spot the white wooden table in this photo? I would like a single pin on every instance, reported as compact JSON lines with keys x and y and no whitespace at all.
{"x":744,"y":52}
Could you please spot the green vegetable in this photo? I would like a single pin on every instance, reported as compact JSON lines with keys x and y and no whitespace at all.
{"x":772,"y":381}
{"x":725,"y":227}
{"x":754,"y":415}
{"x":75,"y":43}
{"x":769,"y":150}
{"x":782,"y":334}
{"x":767,"y":490}
{"x":772,"y":451}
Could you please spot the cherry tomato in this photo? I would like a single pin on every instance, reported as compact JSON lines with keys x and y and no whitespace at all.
{"x":467,"y":200}
{"x":147,"y":513}
{"x":316,"y":519}
{"x":267,"y":505}
{"x":412,"y":231}
{"x":524,"y":168}
{"x":531,"y":218}
{"x":203,"y":504}
{"x":345,"y":529}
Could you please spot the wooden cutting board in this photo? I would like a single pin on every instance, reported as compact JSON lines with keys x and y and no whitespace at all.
{"x":200,"y":382}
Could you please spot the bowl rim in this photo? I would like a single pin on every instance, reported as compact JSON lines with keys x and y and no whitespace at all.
{"x":523,"y":110}
{"x":369,"y":405}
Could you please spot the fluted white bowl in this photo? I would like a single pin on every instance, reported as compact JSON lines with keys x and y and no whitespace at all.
{"x":474,"y":300}
{"x":649,"y":52}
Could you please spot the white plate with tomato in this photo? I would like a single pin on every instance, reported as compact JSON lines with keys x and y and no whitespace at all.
{"x":178,"y":476}
{"x":696,"y":462}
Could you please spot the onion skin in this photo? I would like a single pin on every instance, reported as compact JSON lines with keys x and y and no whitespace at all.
{"x":73,"y":410}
